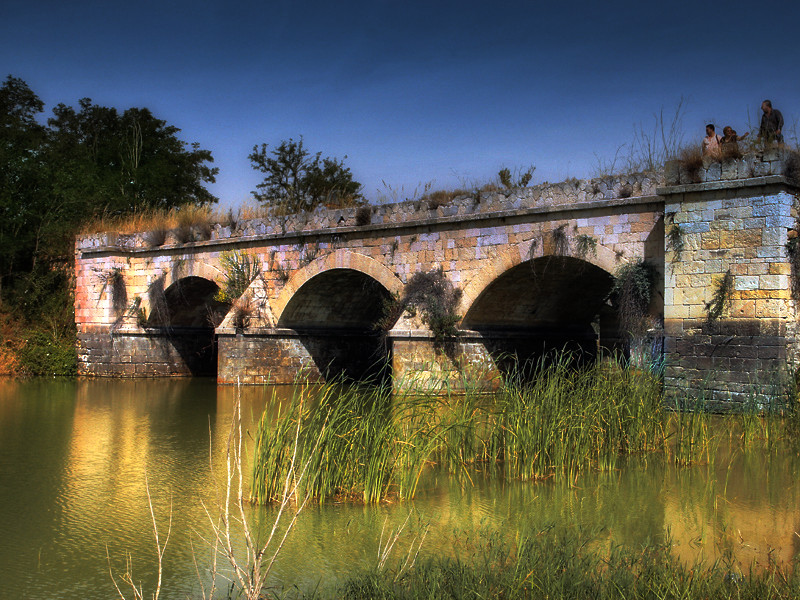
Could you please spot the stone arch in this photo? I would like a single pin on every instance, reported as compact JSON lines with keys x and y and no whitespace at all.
{"x":532,"y":306}
{"x":338,"y":259}
{"x":176,"y":271}
{"x":333,"y":308}
{"x":183,"y":316}
{"x":508,"y":258}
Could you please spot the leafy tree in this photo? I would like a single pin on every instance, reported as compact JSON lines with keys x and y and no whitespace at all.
{"x":54,"y":177}
{"x":130,"y":161}
{"x":296,"y":181}
{"x":24,"y":189}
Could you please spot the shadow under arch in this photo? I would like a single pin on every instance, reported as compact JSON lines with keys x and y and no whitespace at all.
{"x":336,"y":314}
{"x":540,"y":307}
{"x":186,"y":314}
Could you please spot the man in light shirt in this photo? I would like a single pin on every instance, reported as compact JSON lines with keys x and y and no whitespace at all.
{"x":711,"y":142}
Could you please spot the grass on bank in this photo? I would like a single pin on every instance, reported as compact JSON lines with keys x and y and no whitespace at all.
{"x":564,"y":564}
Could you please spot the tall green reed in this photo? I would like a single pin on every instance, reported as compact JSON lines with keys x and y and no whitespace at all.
{"x":369,"y":444}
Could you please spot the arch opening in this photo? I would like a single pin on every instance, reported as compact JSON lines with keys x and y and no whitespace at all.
{"x":542,"y":307}
{"x":187,"y":313}
{"x":336,"y":314}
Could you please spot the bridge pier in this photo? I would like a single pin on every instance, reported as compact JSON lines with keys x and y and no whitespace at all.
{"x":148,"y":353}
{"x":287,"y":356}
{"x":730,"y":318}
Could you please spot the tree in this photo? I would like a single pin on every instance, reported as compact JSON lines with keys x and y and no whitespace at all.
{"x":23,"y":187}
{"x":296,"y":181}
{"x":84,"y":162}
{"x":55,"y":176}
{"x":130,"y":161}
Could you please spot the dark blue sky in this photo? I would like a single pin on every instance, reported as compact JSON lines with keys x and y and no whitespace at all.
{"x":412,"y":91}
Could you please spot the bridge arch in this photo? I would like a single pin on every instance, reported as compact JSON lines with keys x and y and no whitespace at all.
{"x":177,"y":270}
{"x":338,"y":259}
{"x":527,"y":307}
{"x":603,"y":257}
{"x":185,"y":314}
{"x":334,"y":305}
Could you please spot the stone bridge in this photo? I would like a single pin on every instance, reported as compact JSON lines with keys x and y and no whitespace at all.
{"x":534,"y":268}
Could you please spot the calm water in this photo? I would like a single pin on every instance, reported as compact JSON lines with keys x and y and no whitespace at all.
{"x":75,"y":458}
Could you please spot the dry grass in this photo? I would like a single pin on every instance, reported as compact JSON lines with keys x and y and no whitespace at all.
{"x":731,"y":151}
{"x":441,"y":198}
{"x":153,"y":220}
{"x":691,"y":158}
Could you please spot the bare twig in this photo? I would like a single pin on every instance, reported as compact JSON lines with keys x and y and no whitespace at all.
{"x":251,"y":570}
{"x":127,"y":576}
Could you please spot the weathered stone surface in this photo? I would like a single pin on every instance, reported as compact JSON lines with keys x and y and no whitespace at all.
{"x":329,"y":273}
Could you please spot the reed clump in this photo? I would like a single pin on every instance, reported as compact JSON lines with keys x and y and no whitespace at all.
{"x":371,"y":445}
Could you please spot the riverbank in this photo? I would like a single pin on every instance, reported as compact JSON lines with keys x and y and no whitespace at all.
{"x":553,"y":564}
{"x":42,"y":349}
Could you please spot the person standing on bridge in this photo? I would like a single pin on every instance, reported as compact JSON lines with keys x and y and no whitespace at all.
{"x":771,"y":130}
{"x":729,"y":144}
{"x":711,"y":142}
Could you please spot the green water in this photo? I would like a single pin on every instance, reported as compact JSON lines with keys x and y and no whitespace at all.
{"x":75,"y":458}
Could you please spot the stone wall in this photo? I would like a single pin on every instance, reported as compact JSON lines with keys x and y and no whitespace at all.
{"x":150,"y":354}
{"x":279,"y":356}
{"x":740,"y":228}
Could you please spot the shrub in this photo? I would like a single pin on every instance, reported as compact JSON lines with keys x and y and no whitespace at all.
{"x":434,"y":295}
{"x":516,"y":179}
{"x":436,"y":299}
{"x":47,"y":354}
{"x":560,"y":241}
{"x":156,"y":237}
{"x":585,"y":245}
{"x":631,"y":293}
{"x":792,"y":166}
{"x":674,"y":237}
{"x":363,"y":216}
{"x":240,"y":271}
{"x":243,"y":310}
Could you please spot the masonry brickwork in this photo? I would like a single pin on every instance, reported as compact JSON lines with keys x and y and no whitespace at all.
{"x":740,"y":227}
{"x":525,"y":261}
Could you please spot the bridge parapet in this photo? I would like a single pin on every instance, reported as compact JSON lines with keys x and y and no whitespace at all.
{"x":479,"y":204}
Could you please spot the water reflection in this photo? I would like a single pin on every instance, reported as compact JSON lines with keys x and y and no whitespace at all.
{"x":75,"y":458}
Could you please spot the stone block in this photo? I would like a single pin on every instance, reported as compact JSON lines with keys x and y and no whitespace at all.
{"x":780,"y":268}
{"x":748,"y":238}
{"x":774,"y":282}
{"x":746,"y":283}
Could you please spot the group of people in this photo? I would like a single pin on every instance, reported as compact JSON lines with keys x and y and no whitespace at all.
{"x":770,"y":132}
